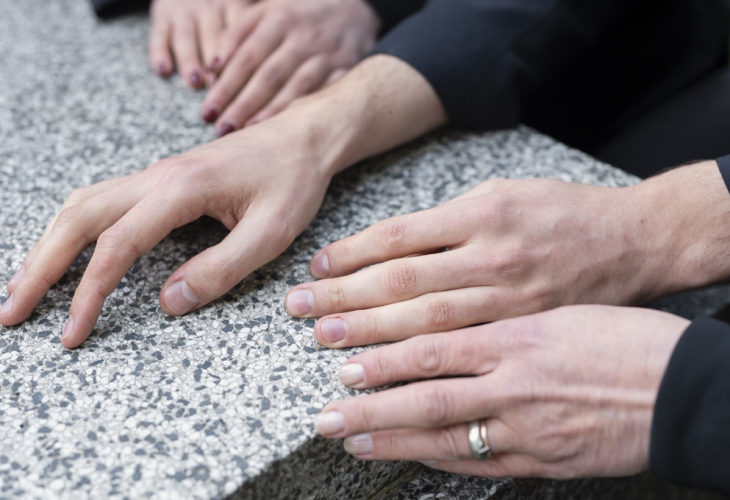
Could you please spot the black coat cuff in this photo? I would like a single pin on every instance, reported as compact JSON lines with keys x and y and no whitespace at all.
{"x":690,"y":436}
{"x":392,"y":12}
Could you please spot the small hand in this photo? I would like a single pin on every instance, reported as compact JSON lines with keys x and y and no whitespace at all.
{"x":188,"y":32}
{"x":563,"y":394}
{"x":278,"y":50}
{"x":263,"y":193}
{"x":514,"y":247}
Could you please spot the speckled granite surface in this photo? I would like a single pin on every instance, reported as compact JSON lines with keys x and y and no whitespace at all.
{"x":220,"y":402}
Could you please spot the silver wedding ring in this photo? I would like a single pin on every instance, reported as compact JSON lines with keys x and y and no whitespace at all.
{"x":479,"y":441}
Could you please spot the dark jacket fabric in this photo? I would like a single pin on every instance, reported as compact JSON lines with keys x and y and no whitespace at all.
{"x":690,"y":437}
{"x":579,"y":71}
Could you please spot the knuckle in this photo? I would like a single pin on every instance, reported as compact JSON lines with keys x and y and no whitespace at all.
{"x":392,"y":233}
{"x":438,"y":407}
{"x":273,"y":77}
{"x":220,"y":273}
{"x":401,"y":280}
{"x":118,"y":238}
{"x":77,"y":196}
{"x":449,"y":443}
{"x":440,"y":314}
{"x":372,"y":328}
{"x":71,"y":217}
{"x":335,"y":296}
{"x":428,"y":355}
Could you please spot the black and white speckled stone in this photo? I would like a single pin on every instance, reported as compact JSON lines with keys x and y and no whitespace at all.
{"x":193,"y":407}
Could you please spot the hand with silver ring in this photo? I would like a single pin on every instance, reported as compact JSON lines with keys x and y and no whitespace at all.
{"x":561,"y":394}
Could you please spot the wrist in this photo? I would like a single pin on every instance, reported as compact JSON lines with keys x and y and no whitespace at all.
{"x":690,"y":233}
{"x":382,"y":103}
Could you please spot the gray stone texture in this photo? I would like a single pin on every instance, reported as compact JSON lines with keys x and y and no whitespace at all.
{"x":219,"y":402}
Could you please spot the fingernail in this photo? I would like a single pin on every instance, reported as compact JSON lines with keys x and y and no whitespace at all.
{"x":195,"y":79}
{"x":333,"y":330}
{"x":16,"y":277}
{"x":210,"y":114}
{"x":180,"y":299}
{"x":215,"y":64}
{"x":429,"y":463}
{"x":7,"y":306}
{"x":361,"y":444}
{"x":227,"y":128}
{"x":330,"y":423}
{"x":320,"y":265}
{"x":352,"y":374}
{"x":253,"y":121}
{"x":69,"y":328}
{"x":161,"y":69}
{"x":300,"y":302}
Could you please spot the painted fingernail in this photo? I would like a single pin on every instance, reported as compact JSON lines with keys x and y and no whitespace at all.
{"x":195,"y":79}
{"x":227,"y":128}
{"x":16,"y":277}
{"x":300,"y":302}
{"x":352,"y":374}
{"x":7,"y":306}
{"x":161,"y":69}
{"x":320,"y":265}
{"x":330,"y":423}
{"x":215,"y":64}
{"x":361,"y":444}
{"x":210,"y":114}
{"x":69,"y":328}
{"x":333,"y":330}
{"x":180,"y":299}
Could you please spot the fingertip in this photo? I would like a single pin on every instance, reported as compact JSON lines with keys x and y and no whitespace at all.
{"x":179,"y":299}
{"x":209,"y":113}
{"x":225,"y":129}
{"x":196,"y":79}
{"x":163,"y":69}
{"x":319,"y":266}
{"x":5,"y":311}
{"x":299,"y":303}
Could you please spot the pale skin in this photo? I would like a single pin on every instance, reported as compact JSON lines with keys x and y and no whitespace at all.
{"x":566,"y":393}
{"x":258,"y":57}
{"x":519,"y":247}
{"x":246,"y":180}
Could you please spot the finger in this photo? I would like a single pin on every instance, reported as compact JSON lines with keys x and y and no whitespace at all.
{"x":160,"y":57}
{"x":447,"y":444}
{"x":166,"y":207}
{"x":464,"y":352}
{"x":185,"y":47}
{"x":239,"y":23}
{"x":491,"y":186}
{"x":74,"y":229}
{"x":307,"y":78}
{"x":210,"y":26}
{"x":430,"y":313}
{"x":244,"y":63}
{"x":268,"y":80}
{"x":335,"y":76}
{"x":387,"y":283}
{"x":393,"y":238}
{"x":215,"y":271}
{"x":78,"y":196}
{"x":421,"y":405}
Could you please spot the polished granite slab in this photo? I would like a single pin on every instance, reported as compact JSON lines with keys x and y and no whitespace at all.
{"x":220,"y":402}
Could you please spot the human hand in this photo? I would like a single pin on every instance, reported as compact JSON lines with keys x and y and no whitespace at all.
{"x":515,"y":247}
{"x":563,"y":394}
{"x":263,"y":193}
{"x":189,"y":32}
{"x":278,"y":50}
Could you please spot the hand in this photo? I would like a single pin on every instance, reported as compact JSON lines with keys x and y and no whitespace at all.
{"x":190,"y":32}
{"x":263,"y":193}
{"x":517,"y":247}
{"x":564,"y":394}
{"x":278,"y":50}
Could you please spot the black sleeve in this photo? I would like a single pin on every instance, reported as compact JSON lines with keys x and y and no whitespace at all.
{"x":391,"y":12}
{"x":723,"y":164}
{"x":489,"y":60}
{"x":106,"y":9}
{"x":690,"y":436}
